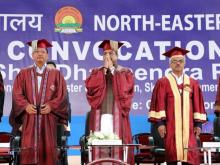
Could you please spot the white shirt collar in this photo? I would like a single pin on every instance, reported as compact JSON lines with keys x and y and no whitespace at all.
{"x":179,"y":80}
{"x":40,"y":70}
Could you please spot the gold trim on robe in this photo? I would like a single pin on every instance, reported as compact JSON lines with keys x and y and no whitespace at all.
{"x":186,"y":114}
{"x":199,"y":116}
{"x":157,"y":115}
{"x":181,"y":116}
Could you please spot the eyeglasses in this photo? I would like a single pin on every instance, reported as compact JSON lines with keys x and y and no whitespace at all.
{"x":176,"y":61}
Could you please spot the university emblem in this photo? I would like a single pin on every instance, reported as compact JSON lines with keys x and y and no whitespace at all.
{"x":68,"y":20}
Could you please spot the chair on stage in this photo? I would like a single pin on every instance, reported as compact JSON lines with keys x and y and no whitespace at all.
{"x":62,"y":139}
{"x":83,"y":142}
{"x":83,"y":150}
{"x":216,"y":126}
{"x":159,"y":151}
{"x":209,"y":137}
{"x":159,"y":154}
{"x":143,"y":155}
{"x":62,"y":142}
{"x":6,"y":156}
{"x":15,"y":144}
{"x":62,"y":135}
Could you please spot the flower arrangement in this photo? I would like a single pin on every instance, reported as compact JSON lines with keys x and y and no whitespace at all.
{"x":101,"y":136}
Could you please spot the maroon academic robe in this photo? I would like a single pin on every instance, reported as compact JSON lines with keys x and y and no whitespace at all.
{"x":179,"y":107}
{"x":123,"y":91}
{"x":2,"y":96}
{"x":38,"y":139}
{"x":216,"y":122}
{"x":217,"y":100}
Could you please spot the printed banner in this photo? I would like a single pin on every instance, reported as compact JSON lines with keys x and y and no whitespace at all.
{"x":147,"y":29}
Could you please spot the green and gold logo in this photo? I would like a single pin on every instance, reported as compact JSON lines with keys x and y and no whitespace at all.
{"x":68,"y":20}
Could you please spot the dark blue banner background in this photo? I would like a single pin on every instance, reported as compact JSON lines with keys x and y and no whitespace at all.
{"x":147,"y":28}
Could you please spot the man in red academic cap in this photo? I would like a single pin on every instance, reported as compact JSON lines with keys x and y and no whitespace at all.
{"x":177,"y":108}
{"x":39,"y":103}
{"x":110,"y":92}
{"x":2,"y":96}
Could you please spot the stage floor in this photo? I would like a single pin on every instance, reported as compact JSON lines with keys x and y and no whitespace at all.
{"x":75,"y":160}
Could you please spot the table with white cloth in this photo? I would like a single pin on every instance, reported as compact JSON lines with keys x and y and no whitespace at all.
{"x":207,"y":148}
{"x":125,"y":148}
